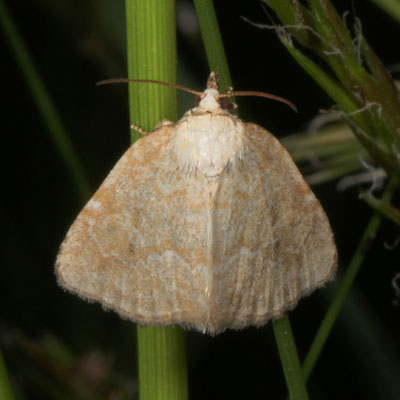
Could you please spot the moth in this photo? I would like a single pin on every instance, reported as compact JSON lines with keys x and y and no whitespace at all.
{"x":206,"y":223}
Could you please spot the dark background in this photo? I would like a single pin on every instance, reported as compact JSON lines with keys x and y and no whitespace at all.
{"x":75,"y":43}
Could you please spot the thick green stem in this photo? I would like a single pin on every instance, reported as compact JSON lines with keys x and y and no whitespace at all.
{"x":151,"y":55}
{"x":162,"y":363}
{"x":151,"y":39}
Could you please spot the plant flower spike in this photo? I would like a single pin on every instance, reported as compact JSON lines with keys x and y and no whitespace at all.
{"x":206,"y":223}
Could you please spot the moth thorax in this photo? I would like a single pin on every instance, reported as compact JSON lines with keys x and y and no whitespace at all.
{"x":209,"y":101}
{"x":209,"y":143}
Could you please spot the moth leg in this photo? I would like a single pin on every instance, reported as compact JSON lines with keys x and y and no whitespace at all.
{"x":140,"y":130}
{"x":164,"y":122}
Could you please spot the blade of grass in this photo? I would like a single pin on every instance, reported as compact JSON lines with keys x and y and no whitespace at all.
{"x":289,"y":359}
{"x":381,"y":206}
{"x":213,"y":42}
{"x":151,"y":40}
{"x":392,"y":7}
{"x":332,"y":87}
{"x":39,"y":93}
{"x":344,"y":288}
{"x":362,"y":128}
{"x":328,"y":141}
{"x":5,"y":388}
{"x":387,"y":88}
{"x":217,"y":62}
{"x":376,"y":113}
{"x":350,"y":71}
{"x":294,"y":15}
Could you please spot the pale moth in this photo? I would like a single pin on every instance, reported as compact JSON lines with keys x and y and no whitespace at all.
{"x":206,"y":223}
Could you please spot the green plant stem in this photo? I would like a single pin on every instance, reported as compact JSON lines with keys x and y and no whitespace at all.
{"x":151,"y":40}
{"x":289,"y":359}
{"x":345,"y":285}
{"x":217,"y":62}
{"x":382,"y":207}
{"x":162,"y":363}
{"x":5,"y":388}
{"x":213,"y":42}
{"x":39,"y":93}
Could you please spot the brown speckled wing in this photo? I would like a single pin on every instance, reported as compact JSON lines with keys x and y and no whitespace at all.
{"x":272,"y":242}
{"x":138,"y":247}
{"x":161,"y":244}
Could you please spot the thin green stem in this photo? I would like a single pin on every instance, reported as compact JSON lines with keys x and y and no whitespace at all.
{"x":5,"y":388}
{"x":39,"y":93}
{"x":217,"y":62}
{"x":345,"y":285}
{"x":151,"y":39}
{"x":213,"y":42}
{"x":290,"y":359}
